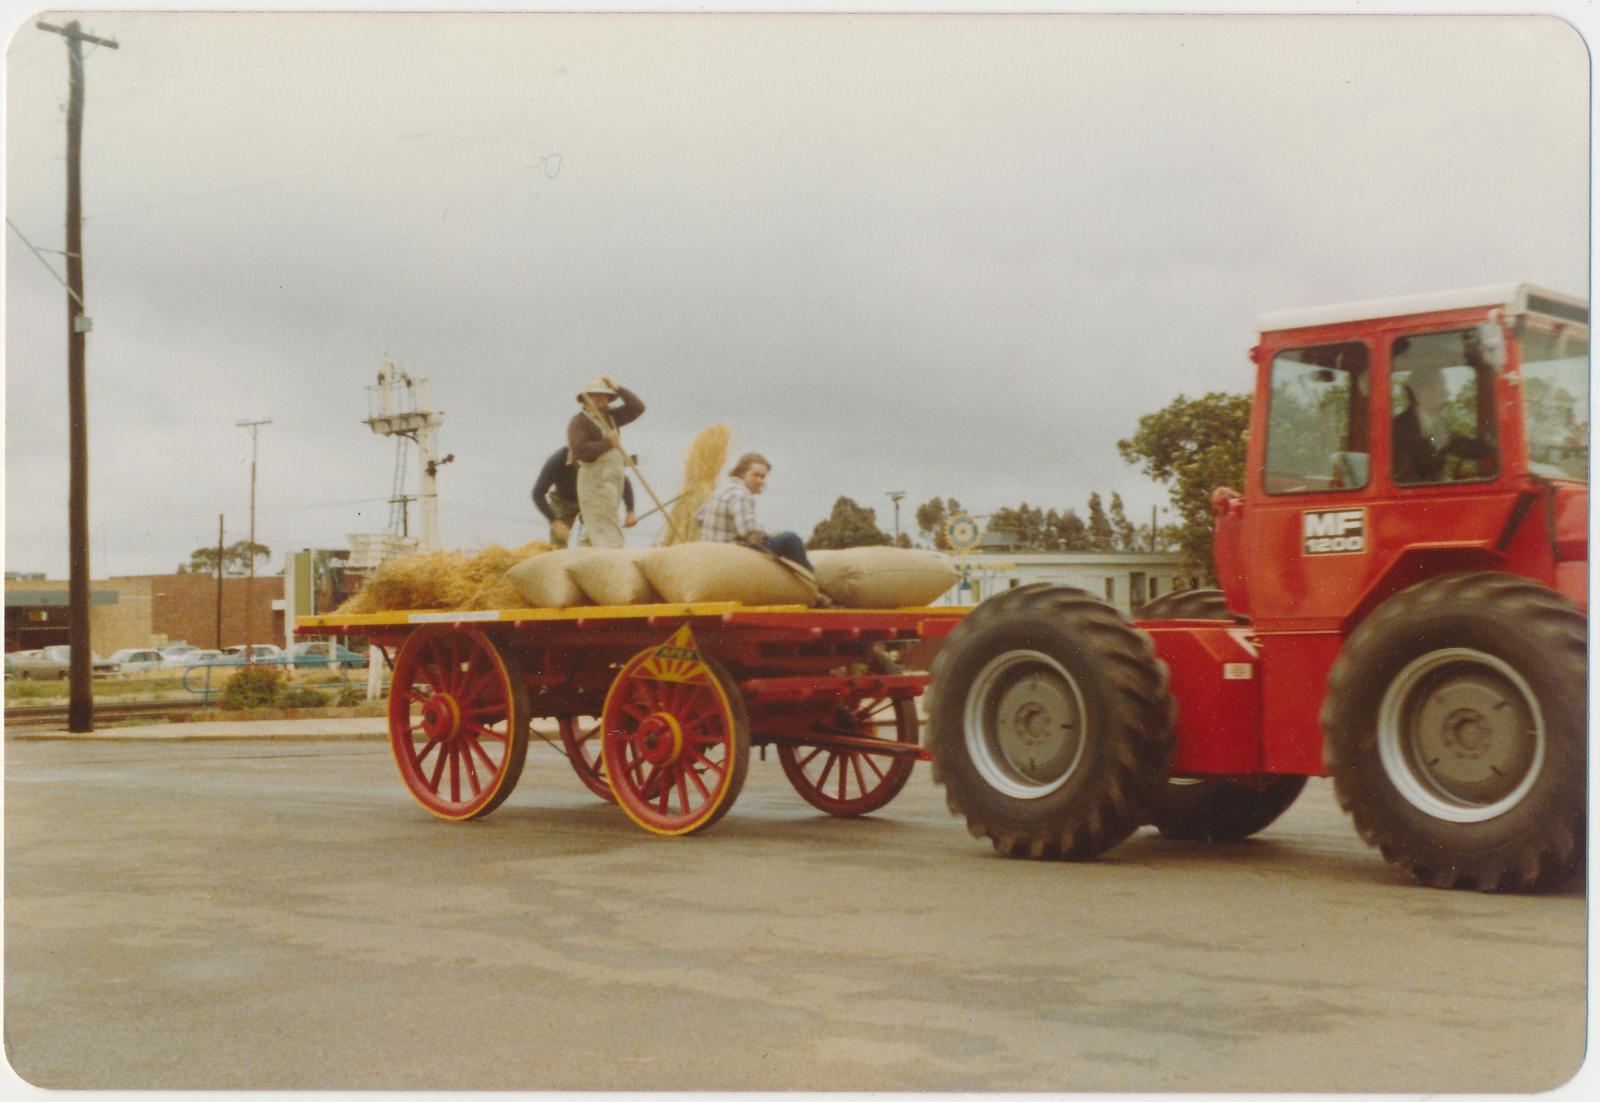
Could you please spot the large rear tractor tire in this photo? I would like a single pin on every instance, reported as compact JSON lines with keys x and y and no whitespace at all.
{"x":1455,"y":732}
{"x":1050,"y":723}
{"x":1189,"y":604}
{"x":1214,"y":809}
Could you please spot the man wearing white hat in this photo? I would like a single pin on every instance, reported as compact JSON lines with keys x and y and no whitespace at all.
{"x":595,"y":445}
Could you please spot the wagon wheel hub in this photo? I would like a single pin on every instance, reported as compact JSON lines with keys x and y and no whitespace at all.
{"x":441,"y":716}
{"x":659,"y":739}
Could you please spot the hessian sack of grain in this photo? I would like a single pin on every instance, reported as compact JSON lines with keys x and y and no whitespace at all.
{"x":611,"y":576}
{"x":543,"y":579}
{"x":726,"y":572}
{"x":882,"y":577}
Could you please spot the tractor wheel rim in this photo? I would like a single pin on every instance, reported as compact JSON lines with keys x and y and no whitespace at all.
{"x":1024,"y":724}
{"x":1460,"y":735}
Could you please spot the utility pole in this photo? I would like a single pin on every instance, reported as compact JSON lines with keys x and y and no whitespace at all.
{"x":219,"y":581}
{"x":895,"y":496}
{"x":80,"y":702}
{"x":250,"y":586}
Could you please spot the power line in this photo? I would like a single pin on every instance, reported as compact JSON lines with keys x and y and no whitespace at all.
{"x":45,"y":262}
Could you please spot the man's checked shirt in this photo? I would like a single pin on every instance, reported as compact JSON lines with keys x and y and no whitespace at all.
{"x":729,"y":515}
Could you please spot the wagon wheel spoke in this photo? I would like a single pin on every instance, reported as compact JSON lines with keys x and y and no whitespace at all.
{"x":718,"y":767}
{"x":467,"y":745}
{"x":871,"y":763}
{"x":480,"y":729}
{"x":477,"y":748}
{"x":861,"y":779}
{"x":833,"y":759}
{"x":438,"y":767}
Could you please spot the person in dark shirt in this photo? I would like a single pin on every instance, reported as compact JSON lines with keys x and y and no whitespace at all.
{"x":555,"y":494}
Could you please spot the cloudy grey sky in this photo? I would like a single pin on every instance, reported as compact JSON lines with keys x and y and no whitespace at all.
{"x":941,"y":254}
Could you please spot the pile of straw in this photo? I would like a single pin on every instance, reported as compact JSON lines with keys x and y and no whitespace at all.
{"x":701,"y":467}
{"x":444,"y":579}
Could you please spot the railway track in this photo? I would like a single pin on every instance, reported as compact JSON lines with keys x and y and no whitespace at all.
{"x":52,"y":714}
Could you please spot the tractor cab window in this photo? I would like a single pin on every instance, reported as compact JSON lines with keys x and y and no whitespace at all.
{"x":1555,"y":398}
{"x":1317,"y":427}
{"x":1442,"y":393}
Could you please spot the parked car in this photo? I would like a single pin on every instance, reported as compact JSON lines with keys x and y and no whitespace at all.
{"x":322,"y":652}
{"x":52,"y":664}
{"x":259,"y":652}
{"x":135,"y":659}
{"x":198,"y":657}
{"x":175,"y":656}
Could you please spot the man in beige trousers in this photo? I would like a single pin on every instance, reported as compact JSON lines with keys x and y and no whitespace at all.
{"x":594,"y":443}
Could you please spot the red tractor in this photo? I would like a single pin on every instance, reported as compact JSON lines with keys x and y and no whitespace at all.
{"x":1403,"y":608}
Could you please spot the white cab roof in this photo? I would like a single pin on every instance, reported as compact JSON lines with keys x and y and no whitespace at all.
{"x":1517,"y":298}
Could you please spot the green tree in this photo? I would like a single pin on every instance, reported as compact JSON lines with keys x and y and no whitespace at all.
{"x":1101,"y":537}
{"x":1025,"y":522}
{"x":236,"y":558}
{"x":1193,"y":446}
{"x":850,"y":525}
{"x":1126,"y":538}
{"x":932,"y":516}
{"x":1068,"y":533}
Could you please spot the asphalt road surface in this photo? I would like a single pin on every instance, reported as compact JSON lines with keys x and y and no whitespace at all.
{"x":282,"y":915}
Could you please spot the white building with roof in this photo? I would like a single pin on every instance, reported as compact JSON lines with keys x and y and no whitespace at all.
{"x":1126,"y":579}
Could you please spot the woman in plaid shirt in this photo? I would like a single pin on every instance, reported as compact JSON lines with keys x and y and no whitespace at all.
{"x":729,"y":515}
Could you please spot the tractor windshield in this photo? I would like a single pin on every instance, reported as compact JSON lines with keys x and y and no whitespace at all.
{"x":1555,"y":399}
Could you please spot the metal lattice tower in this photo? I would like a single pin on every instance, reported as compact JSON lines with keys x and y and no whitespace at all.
{"x":398,"y":407}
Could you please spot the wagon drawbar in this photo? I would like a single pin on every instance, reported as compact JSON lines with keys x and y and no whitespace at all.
{"x":658,"y":706}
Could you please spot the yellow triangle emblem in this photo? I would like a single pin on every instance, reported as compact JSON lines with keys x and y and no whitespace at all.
{"x":678,"y":659}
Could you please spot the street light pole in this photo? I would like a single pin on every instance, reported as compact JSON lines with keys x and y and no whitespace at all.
{"x":250,"y":586}
{"x":895,"y":496}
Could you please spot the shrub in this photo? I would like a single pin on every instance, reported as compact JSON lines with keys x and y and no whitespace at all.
{"x":350,"y":696}
{"x":254,"y":687}
{"x":300,"y":696}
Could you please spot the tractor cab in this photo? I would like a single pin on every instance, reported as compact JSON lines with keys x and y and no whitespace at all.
{"x":1395,"y":440}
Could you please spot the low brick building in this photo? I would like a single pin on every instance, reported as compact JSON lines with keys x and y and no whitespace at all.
{"x":147,"y":610}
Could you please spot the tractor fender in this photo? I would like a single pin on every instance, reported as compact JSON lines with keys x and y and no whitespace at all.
{"x":1417,"y":564}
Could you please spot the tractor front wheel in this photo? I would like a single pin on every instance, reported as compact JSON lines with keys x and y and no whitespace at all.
{"x":1221,"y":809}
{"x":1455,"y":732}
{"x":1050,"y":722}
{"x":1214,"y":809}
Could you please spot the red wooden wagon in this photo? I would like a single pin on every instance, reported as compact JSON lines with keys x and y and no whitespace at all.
{"x":657,"y":705}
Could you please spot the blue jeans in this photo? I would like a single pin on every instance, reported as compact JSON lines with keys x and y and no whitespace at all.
{"x":790,"y":546}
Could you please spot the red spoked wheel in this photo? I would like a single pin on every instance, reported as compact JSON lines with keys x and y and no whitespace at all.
{"x":675,"y":751}
{"x":580,"y":735}
{"x":458,"y":722}
{"x":849,"y":781}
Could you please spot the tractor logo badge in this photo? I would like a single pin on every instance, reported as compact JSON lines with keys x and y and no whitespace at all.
{"x":678,"y":660}
{"x":1334,"y":532}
